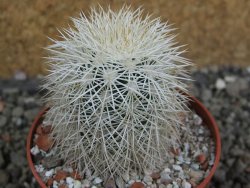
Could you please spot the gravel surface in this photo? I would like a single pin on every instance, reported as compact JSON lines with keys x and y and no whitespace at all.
{"x":187,"y":165}
{"x":224,"y":91}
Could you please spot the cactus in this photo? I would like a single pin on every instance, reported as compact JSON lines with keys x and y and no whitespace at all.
{"x":113,"y":90}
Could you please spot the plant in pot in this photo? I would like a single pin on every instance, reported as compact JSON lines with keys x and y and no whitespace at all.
{"x":118,"y":114}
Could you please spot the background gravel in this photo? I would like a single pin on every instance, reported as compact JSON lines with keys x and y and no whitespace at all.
{"x":225,"y":91}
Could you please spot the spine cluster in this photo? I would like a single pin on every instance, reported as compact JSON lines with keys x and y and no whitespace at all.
{"x":113,"y":88}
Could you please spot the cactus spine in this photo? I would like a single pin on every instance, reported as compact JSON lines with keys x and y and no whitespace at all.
{"x":112,"y":92}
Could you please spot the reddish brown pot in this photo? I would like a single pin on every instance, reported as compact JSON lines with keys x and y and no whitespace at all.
{"x":194,"y":104}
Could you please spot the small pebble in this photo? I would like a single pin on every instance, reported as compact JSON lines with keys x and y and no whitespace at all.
{"x":186,"y":184}
{"x":69,"y":180}
{"x":77,"y":184}
{"x":196,"y":175}
{"x":97,"y":180}
{"x":220,"y":84}
{"x":177,"y":167}
{"x":230,"y":78}
{"x":49,"y":173}
{"x":34,"y":150}
{"x":39,"y":168}
{"x":147,"y":179}
{"x":195,"y":166}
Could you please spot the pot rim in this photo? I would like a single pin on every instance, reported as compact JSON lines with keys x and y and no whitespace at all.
{"x":193,"y":102}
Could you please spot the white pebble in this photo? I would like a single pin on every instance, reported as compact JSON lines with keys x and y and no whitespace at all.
{"x":186,"y":184}
{"x":211,"y":162}
{"x":165,"y":177}
{"x":200,"y":138}
{"x":181,"y":175}
{"x":169,"y":186}
{"x":55,"y":184}
{"x":147,"y":171}
{"x":204,"y":149}
{"x":197,"y":120}
{"x":180,"y":159}
{"x":61,"y":181}
{"x":177,"y":167}
{"x":201,"y":131}
{"x":195,"y":166}
{"x":175,"y":185}
{"x":220,"y":84}
{"x":131,"y":182}
{"x":93,"y":186}
{"x":187,"y":160}
{"x":35,"y":150}
{"x":147,"y":179}
{"x":167,"y":170}
{"x":69,"y":180}
{"x":97,"y":180}
{"x":230,"y":78}
{"x":77,"y":184}
{"x":39,"y":168}
{"x":197,"y":175}
{"x":49,"y":173}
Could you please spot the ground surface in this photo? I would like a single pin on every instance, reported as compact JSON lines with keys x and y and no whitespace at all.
{"x":216,"y":32}
{"x":225,"y":91}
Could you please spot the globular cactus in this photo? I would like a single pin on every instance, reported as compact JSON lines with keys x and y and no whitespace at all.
{"x":113,"y":90}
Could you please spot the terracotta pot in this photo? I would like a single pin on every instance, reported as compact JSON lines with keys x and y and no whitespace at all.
{"x":195,"y":104}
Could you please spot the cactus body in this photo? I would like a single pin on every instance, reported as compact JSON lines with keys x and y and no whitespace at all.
{"x":113,"y":94}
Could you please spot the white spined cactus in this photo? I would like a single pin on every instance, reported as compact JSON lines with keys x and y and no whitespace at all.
{"x":114,"y":95}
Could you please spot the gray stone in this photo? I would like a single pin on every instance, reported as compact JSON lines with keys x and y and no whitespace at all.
{"x":14,"y":171}
{"x":18,"y":158}
{"x":7,"y":111}
{"x":4,"y":177}
{"x":10,"y":91}
{"x":243,"y":84}
{"x":30,"y":114}
{"x":237,"y":168}
{"x":230,"y":78}
{"x":17,"y":111}
{"x":220,"y":175}
{"x":236,"y":152}
{"x":234,"y":88}
{"x":206,"y":94}
{"x":11,"y":185}
{"x":3,"y":120}
{"x":2,"y":162}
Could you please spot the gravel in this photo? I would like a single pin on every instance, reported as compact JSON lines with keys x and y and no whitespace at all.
{"x":223,"y":90}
